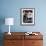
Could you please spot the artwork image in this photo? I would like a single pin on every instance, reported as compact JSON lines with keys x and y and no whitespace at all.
{"x":27,"y":16}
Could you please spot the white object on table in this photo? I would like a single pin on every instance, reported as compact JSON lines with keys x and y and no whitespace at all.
{"x":9,"y":21}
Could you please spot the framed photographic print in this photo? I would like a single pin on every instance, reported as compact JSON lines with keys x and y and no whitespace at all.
{"x":27,"y":16}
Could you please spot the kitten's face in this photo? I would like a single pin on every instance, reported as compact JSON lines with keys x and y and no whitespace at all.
{"x":29,"y":13}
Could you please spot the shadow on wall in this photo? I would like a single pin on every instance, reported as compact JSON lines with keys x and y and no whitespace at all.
{"x":2,"y":21}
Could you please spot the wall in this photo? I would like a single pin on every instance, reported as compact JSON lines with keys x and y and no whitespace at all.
{"x":11,"y":8}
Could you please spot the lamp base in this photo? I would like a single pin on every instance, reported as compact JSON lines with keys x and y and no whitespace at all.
{"x":9,"y":33}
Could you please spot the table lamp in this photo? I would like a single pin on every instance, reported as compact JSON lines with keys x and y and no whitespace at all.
{"x":9,"y":21}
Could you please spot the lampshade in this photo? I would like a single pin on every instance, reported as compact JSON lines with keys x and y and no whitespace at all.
{"x":9,"y":21}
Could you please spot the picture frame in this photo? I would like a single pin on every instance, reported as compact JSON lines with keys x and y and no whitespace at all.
{"x":27,"y":16}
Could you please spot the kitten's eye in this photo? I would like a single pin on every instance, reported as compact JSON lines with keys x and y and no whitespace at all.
{"x":30,"y":11}
{"x":26,"y":11}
